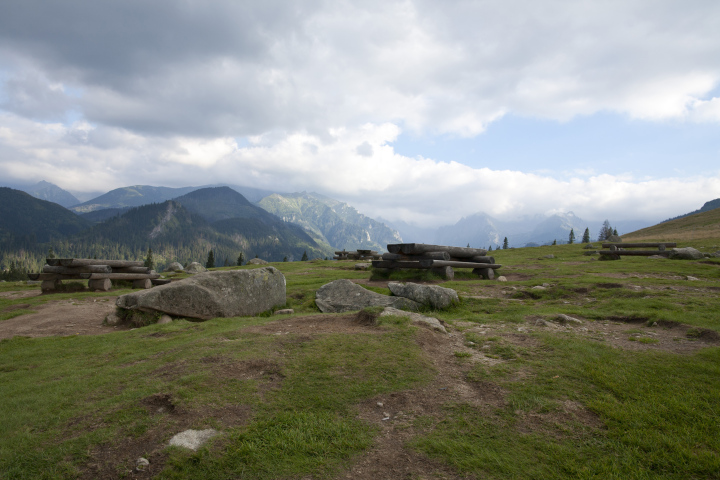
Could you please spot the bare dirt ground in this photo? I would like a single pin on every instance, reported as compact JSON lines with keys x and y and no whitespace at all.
{"x":59,"y":317}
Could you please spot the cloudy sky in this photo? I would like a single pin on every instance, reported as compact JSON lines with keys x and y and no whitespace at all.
{"x":425,"y":111}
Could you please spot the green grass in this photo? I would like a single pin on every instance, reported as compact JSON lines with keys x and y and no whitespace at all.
{"x":568,"y":407}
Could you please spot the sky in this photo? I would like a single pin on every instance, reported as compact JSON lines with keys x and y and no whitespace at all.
{"x":421,"y":111}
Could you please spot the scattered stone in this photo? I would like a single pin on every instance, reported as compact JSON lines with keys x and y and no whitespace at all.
{"x":175,"y":267}
{"x":542,"y":323}
{"x":345,"y":296}
{"x":416,"y":318}
{"x":432,"y":295}
{"x":501,"y":278}
{"x":654,"y":324}
{"x":362,"y":266}
{"x":257,"y":261}
{"x":285,"y":311}
{"x":141,"y":464}
{"x":164,"y":320}
{"x":589,"y":246}
{"x":565,"y":319}
{"x":692,"y":279}
{"x":33,"y":282}
{"x":591,"y":253}
{"x":112,"y":320}
{"x":614,"y":239}
{"x":193,"y":439}
{"x":656,"y":257}
{"x":549,"y":256}
{"x":686,"y":253}
{"x":380,"y":404}
{"x":546,"y":285}
{"x":538,"y":287}
{"x":229,"y":293}
{"x":195,"y":267}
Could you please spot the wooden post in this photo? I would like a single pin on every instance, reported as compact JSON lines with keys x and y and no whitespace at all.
{"x":50,"y":285}
{"x":145,"y":283}
{"x":445,"y":272}
{"x":103,"y":284}
{"x":486,"y":273}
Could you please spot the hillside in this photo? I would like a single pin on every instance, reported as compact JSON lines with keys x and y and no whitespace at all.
{"x":52,"y":193}
{"x":222,"y":203}
{"x":331,"y":221}
{"x":176,"y":233}
{"x":25,"y":219}
{"x":698,"y":226}
{"x":711,"y":205}
{"x":134,"y":196}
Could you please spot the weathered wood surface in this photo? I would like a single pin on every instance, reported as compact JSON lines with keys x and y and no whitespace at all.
{"x":50,"y":285}
{"x":123,"y":276}
{"x":442,"y":263}
{"x":79,"y":262}
{"x":424,"y":264}
{"x":486,"y":273}
{"x":445,"y":272}
{"x":638,"y":253}
{"x":144,"y":283}
{"x":410,"y":258}
{"x":421,"y":248}
{"x":57,"y":276}
{"x":102,"y":284}
{"x":76,"y":270}
{"x":641,"y":245}
{"x":477,"y":259}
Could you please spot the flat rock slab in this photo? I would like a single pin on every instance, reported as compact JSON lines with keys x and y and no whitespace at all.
{"x":345,"y":296}
{"x":437,"y":297}
{"x":229,"y":293}
{"x":193,"y":439}
{"x":415,"y":318}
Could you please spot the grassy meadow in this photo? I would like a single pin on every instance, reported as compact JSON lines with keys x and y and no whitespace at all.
{"x":633,"y":392}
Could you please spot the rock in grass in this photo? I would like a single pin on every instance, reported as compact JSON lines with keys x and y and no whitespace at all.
{"x":362,"y":266}
{"x":345,"y":296}
{"x":692,"y":279}
{"x":432,"y":295}
{"x":112,"y":320}
{"x":195,"y":267}
{"x":565,"y":319}
{"x":193,"y":439}
{"x":285,"y":311}
{"x":257,"y":261}
{"x":415,"y":318}
{"x":164,"y":320}
{"x":230,"y":293}
{"x":175,"y":267}
{"x":549,"y":256}
{"x":501,"y":278}
{"x":687,"y":253}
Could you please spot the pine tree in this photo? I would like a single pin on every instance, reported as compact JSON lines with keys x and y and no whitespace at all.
{"x":240,"y":259}
{"x":304,"y":257}
{"x":285,"y":258}
{"x":210,"y":260}
{"x":149,"y":262}
{"x":605,"y":231}
{"x":490,"y":248}
{"x":615,"y":231}
{"x":51,"y":253}
{"x":586,"y":236}
{"x":505,"y":244}
{"x":227,"y":262}
{"x":554,"y":242}
{"x":571,"y":238}
{"x":468,"y":245}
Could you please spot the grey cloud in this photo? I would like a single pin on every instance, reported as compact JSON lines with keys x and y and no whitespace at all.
{"x":364,"y":149}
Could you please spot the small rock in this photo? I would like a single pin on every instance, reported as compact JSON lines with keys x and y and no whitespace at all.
{"x":538,"y":287}
{"x":541,"y":323}
{"x":285,"y":311}
{"x":656,"y":257}
{"x":380,"y":404}
{"x":362,"y":266}
{"x":614,"y":239}
{"x":416,"y":318}
{"x":654,"y":324}
{"x":501,"y":279}
{"x":546,"y":285}
{"x":687,"y":253}
{"x":691,"y":278}
{"x":193,"y":439}
{"x":549,"y":256}
{"x":141,"y":464}
{"x":522,"y":329}
{"x":565,"y":319}
{"x":164,"y":320}
{"x":589,"y":246}
{"x":33,"y":282}
{"x":174,"y":267}
{"x":112,"y":320}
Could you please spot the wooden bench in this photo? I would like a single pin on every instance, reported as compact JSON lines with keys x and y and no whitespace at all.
{"x":98,"y":273}
{"x":615,"y":250}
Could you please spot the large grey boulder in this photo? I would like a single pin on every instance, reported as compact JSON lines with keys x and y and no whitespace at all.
{"x":432,"y":295}
{"x":687,"y":253}
{"x":345,"y":296}
{"x":195,"y":267}
{"x":175,"y":267}
{"x":614,"y":239}
{"x":231,"y":293}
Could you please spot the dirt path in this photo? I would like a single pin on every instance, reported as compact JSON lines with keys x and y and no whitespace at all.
{"x":59,"y":317}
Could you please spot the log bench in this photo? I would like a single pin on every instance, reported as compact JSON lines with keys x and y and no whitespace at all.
{"x":439,"y":259}
{"x":357,"y":255}
{"x":98,"y":273}
{"x":616,"y":250}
